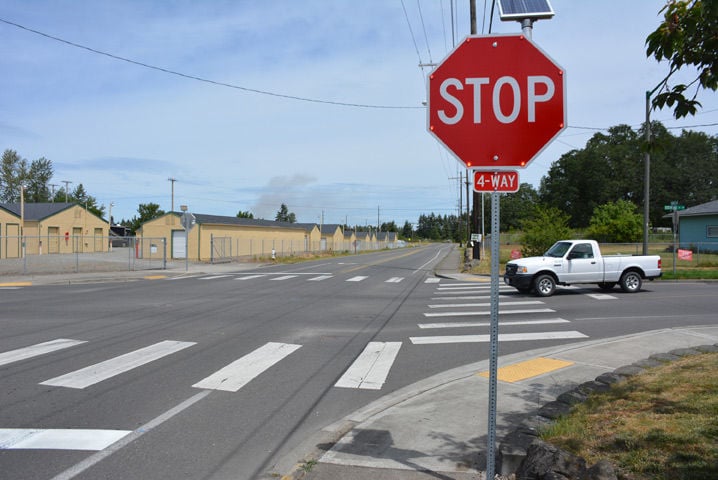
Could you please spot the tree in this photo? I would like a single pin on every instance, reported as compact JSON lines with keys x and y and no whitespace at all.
{"x":147,"y":212}
{"x":545,"y":227}
{"x":407,"y":230}
{"x":388,"y":227}
{"x":38,"y":181}
{"x":80,"y":196}
{"x":610,"y":168}
{"x":13,"y":172}
{"x":515,"y":207}
{"x":284,"y":215}
{"x":245,"y":214}
{"x":686,"y":38}
{"x":617,"y":222}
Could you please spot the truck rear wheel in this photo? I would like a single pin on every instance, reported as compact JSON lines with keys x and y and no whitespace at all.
{"x":631,"y":281}
{"x":544,"y":285}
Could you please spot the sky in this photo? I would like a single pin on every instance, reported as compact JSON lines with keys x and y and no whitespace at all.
{"x":316,"y":104}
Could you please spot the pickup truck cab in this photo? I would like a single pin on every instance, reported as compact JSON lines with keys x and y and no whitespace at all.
{"x":570,"y":262}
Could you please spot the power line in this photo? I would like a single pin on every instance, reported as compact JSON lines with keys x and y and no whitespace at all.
{"x":206,"y":80}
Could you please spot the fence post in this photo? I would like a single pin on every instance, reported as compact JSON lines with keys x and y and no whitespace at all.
{"x":211,"y":248}
{"x":164,"y":253}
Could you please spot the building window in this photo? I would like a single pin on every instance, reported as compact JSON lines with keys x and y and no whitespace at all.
{"x":712,"y":231}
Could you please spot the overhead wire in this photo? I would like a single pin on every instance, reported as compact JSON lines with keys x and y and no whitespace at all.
{"x":207,"y":80}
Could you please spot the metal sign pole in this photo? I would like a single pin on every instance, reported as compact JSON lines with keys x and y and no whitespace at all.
{"x":494,"y":336}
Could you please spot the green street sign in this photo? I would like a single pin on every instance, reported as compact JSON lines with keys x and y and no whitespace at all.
{"x":673,"y":208}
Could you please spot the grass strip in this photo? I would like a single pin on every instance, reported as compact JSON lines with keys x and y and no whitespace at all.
{"x":661,"y":424}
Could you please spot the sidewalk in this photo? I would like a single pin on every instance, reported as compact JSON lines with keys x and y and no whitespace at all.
{"x":437,"y":428}
{"x":192,"y":269}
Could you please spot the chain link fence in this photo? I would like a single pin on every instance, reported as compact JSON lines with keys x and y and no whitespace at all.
{"x":80,"y":253}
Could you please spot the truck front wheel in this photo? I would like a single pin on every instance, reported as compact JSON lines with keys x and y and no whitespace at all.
{"x":544,"y":285}
{"x":631,"y":281}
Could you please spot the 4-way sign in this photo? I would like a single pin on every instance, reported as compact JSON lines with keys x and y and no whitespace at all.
{"x":496,"y":101}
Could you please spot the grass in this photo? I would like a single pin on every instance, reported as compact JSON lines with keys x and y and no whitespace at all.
{"x":660,"y":425}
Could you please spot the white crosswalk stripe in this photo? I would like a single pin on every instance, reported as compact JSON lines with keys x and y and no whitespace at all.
{"x":488,"y":324}
{"x":319,"y":278}
{"x":432,"y":280}
{"x":358,"y":278}
{"x":283,"y":277}
{"x":59,"y":439}
{"x":503,"y":337}
{"x":371,"y":368}
{"x":394,"y":280}
{"x":93,"y":374}
{"x":487,"y":312}
{"x":485,"y":304}
{"x":240,"y":372}
{"x":214,"y":277}
{"x":249,"y":277}
{"x":36,"y":350}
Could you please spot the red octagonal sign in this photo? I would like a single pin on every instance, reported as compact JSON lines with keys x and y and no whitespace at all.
{"x":496,"y":101}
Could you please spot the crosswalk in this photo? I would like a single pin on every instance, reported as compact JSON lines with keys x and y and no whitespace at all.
{"x":453,"y":306}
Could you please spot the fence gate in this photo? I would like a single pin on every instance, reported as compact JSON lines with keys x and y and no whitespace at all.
{"x":221,"y":248}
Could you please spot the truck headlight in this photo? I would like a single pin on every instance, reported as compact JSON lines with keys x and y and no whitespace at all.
{"x":523,"y":270}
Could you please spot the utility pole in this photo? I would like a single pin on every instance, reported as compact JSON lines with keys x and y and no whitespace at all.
{"x":53,"y":185}
{"x":460,"y":178}
{"x":377,"y":218}
{"x":173,"y":180}
{"x":475,"y":213}
{"x":67,"y":183}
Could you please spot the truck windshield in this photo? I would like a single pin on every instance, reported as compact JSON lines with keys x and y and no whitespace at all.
{"x":558,"y":250}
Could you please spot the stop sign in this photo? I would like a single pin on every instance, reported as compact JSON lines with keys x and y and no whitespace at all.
{"x":496,"y":101}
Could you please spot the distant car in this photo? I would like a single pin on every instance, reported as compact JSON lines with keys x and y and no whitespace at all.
{"x":120,"y":242}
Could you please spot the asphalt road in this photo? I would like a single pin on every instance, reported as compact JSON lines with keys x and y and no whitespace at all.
{"x":221,"y":376}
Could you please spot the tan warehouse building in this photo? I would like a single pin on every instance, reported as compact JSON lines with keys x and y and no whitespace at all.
{"x":215,"y":236}
{"x":50,"y":228}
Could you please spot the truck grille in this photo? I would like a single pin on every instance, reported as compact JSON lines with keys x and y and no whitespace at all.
{"x":511,"y":269}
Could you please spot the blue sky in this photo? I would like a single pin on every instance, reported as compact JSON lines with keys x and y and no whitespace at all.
{"x":122,"y":130}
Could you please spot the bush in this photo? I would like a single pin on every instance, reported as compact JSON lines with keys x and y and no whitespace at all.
{"x":616,"y":223}
{"x":542,"y":229}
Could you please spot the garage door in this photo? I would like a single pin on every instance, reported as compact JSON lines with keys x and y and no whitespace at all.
{"x":179,"y":243}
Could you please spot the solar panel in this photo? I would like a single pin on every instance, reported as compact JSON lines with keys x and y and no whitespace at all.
{"x":521,"y":9}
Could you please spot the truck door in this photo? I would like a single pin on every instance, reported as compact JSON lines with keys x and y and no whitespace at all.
{"x":582,"y":266}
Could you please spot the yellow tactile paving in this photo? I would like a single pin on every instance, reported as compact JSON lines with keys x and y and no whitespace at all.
{"x":529,"y":368}
{"x":16,"y":284}
{"x":155,"y":277}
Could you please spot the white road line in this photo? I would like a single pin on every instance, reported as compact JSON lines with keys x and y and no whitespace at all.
{"x":487,"y":304}
{"x":109,"y":368}
{"x":432,"y":280}
{"x":488,"y":324}
{"x":214,"y":277}
{"x":394,"y":280}
{"x":502,"y":312}
{"x":240,"y":372}
{"x":320,"y":278}
{"x":370,"y":369}
{"x":356,"y":279}
{"x":601,"y":296}
{"x":505,"y":337}
{"x":97,"y":457}
{"x":249,"y":277}
{"x":283,"y":277}
{"x":36,"y":350}
{"x":58,"y":439}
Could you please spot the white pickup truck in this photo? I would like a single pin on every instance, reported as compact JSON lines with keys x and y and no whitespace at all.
{"x":570,"y":262}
